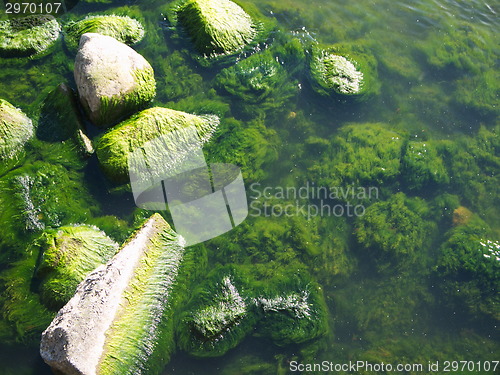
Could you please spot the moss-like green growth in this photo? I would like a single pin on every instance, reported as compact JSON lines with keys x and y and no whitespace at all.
{"x":394,"y":231}
{"x":124,"y":29}
{"x":253,"y":79}
{"x":479,"y":92}
{"x":39,"y":196}
{"x":15,"y":130}
{"x":360,"y":154}
{"x":27,"y":36}
{"x":216,"y":27}
{"x":60,"y":120}
{"x":422,"y":167}
{"x":68,"y":255}
{"x":19,"y":304}
{"x":140,"y":340}
{"x":250,"y":147}
{"x":469,"y":269}
{"x":222,"y":317}
{"x":344,"y":69}
{"x":113,"y":148}
{"x":294,"y":312}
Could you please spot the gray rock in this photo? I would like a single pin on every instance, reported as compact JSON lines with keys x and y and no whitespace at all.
{"x":113,"y":80}
{"x":112,"y":323}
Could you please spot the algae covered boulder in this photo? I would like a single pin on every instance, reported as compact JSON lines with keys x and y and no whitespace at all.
{"x":216,"y":27}
{"x":39,"y":196}
{"x":68,"y":255}
{"x":348,"y":70}
{"x":468,"y":269}
{"x":142,"y":131}
{"x":120,"y":319}
{"x":20,"y":37}
{"x":15,"y":130}
{"x":113,"y":80}
{"x":124,"y":29}
{"x":394,"y":231}
{"x":422,"y":167}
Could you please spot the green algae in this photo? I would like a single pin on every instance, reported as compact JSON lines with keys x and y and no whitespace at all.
{"x":114,"y":146}
{"x":39,"y":196}
{"x":344,"y":69}
{"x":21,"y":37}
{"x":15,"y":130}
{"x":68,"y":254}
{"x":394,"y":231}
{"x":216,"y":27}
{"x":124,"y":29}
{"x":141,"y":336}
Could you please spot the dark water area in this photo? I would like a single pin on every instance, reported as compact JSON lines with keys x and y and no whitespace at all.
{"x":400,"y":282}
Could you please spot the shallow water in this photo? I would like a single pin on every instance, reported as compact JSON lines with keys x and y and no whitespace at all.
{"x":377,"y":317}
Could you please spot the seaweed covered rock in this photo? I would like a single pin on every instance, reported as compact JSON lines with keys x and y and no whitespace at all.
{"x":120,"y":319}
{"x":344,"y":69}
{"x":60,"y":119}
{"x":221,"y":319}
{"x":20,"y":37}
{"x":253,"y":79}
{"x":68,"y":255}
{"x":38,"y":196}
{"x":360,"y":154}
{"x":479,"y":92}
{"x":294,"y":312}
{"x":394,"y":231}
{"x":469,"y":269}
{"x":216,"y":27}
{"x":113,"y":80}
{"x":422,"y":167}
{"x":124,"y":29}
{"x":114,"y":147}
{"x":15,"y":130}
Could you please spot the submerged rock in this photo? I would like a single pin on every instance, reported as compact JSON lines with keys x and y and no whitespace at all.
{"x":60,"y":119}
{"x":39,"y":196}
{"x":113,"y":148}
{"x":15,"y":130}
{"x":68,"y":255}
{"x":216,"y":27}
{"x":124,"y":29}
{"x":343,"y":69}
{"x":113,"y":80}
{"x":20,"y":37}
{"x":119,"y":321}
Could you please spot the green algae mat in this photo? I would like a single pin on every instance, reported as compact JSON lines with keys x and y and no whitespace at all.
{"x":344,"y":156}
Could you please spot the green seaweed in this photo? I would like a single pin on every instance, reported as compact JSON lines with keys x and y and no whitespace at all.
{"x":68,"y":254}
{"x":114,"y":146}
{"x":124,"y":29}
{"x":15,"y":130}
{"x":422,"y":167}
{"x":395,"y":231}
{"x":346,"y":69}
{"x":39,"y":196}
{"x":34,"y":34}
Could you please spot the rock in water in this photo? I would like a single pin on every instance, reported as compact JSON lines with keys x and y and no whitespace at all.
{"x":113,"y":148}
{"x":15,"y":130}
{"x":113,"y":80}
{"x":120,"y":319}
{"x":124,"y":29}
{"x":27,"y":36}
{"x":216,"y":27}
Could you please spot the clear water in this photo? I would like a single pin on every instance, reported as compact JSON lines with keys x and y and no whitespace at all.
{"x":404,"y":319}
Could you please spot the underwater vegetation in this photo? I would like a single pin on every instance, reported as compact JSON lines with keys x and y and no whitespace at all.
{"x":27,"y":36}
{"x":67,"y":255}
{"x":124,"y":29}
{"x":15,"y":130}
{"x":344,"y":69}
